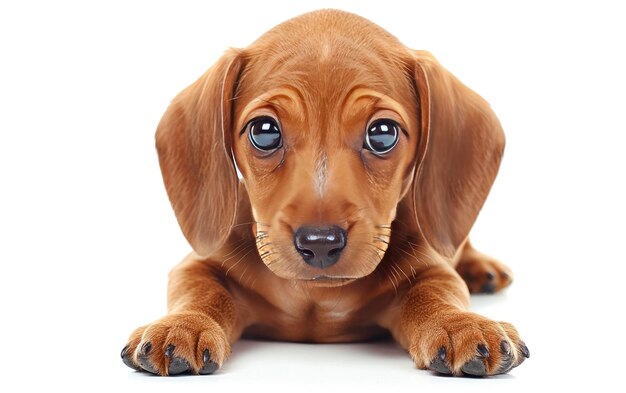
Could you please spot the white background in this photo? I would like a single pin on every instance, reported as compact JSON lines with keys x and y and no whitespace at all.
{"x":87,"y":235}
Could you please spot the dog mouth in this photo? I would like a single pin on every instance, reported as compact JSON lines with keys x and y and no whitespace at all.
{"x":324,"y":280}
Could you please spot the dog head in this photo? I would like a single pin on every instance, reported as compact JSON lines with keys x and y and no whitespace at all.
{"x":333,"y":124}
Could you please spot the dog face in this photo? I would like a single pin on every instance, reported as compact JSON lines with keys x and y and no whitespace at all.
{"x":325,"y":138}
{"x":333,"y":125}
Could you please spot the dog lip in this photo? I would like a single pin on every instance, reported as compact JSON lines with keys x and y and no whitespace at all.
{"x":324,"y":278}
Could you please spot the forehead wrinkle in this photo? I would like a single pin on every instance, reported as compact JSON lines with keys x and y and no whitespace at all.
{"x":354,"y":109}
{"x":321,"y":92}
{"x":280,"y":99}
{"x":376,"y":100}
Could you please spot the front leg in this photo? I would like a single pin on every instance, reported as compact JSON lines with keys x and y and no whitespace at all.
{"x":434,"y":326}
{"x":196,"y":334}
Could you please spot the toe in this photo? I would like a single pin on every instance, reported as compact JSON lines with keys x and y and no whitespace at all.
{"x":144,"y":360}
{"x":127,"y":359}
{"x":507,"y":358}
{"x":482,"y":350}
{"x":438,"y":364}
{"x":525,"y":353}
{"x":208,"y":366}
{"x":178,"y":365}
{"x":475,"y":367}
{"x":524,"y":349}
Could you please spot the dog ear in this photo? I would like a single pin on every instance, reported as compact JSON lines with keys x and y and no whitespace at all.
{"x":193,"y":142}
{"x":461,"y":147}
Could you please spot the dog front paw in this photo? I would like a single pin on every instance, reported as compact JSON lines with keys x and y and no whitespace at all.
{"x":463,"y":343}
{"x":483,"y":274}
{"x":176,"y":344}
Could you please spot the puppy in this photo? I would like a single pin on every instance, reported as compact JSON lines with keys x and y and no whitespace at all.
{"x":364,"y":165}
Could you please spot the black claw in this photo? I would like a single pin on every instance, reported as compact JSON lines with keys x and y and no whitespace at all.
{"x":142,"y":358}
{"x":488,"y":288}
{"x":438,"y":364}
{"x":146,"y":348}
{"x":482,"y":350}
{"x":126,"y":358}
{"x":506,"y":364}
{"x":208,"y":366}
{"x":505,"y":347}
{"x":475,"y":367}
{"x":170,"y":350}
{"x":178,"y":365}
{"x":524,"y":349}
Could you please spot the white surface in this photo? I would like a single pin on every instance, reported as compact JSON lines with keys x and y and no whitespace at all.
{"x":88,"y":235}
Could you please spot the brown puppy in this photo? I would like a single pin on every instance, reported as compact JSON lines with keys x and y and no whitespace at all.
{"x":364,"y":166}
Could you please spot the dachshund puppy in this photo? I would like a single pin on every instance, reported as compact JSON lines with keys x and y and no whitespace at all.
{"x":363,"y":167}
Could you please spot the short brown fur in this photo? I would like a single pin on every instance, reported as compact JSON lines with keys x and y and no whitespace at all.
{"x":325,"y":75}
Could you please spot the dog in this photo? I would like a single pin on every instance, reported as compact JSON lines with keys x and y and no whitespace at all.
{"x":362,"y":167}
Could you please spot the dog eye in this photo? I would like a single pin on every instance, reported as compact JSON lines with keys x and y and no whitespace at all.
{"x":381,"y":136}
{"x":264,"y":133}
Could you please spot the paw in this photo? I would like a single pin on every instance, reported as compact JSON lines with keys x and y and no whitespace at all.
{"x":463,"y":343}
{"x":178,"y":343}
{"x":482,"y":274}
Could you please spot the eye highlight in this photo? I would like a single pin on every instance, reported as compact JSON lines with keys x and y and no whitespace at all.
{"x":381,"y":136}
{"x":264,"y":133}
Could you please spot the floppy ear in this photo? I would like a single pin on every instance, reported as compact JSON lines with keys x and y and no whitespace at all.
{"x":459,"y":157}
{"x":194,"y":145}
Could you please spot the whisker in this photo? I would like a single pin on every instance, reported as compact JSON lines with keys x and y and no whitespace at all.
{"x":236,"y":263}
{"x":243,"y":223}
{"x":402,"y":271}
{"x":234,"y":252}
{"x":380,"y":249}
{"x":428,"y":258}
{"x":413,"y":256}
{"x":251,"y":286}
{"x":264,"y":245}
{"x":395,"y":288}
{"x":381,"y":240}
{"x":394,"y":274}
{"x":243,"y":273}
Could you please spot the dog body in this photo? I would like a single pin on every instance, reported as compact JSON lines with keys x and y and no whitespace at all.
{"x":364,"y":165}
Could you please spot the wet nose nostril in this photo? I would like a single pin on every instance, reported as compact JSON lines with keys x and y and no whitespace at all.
{"x":320,"y":246}
{"x":306,"y":254}
{"x":334,"y":251}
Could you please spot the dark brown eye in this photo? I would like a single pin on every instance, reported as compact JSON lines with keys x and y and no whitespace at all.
{"x":381,"y":136}
{"x":264,"y":133}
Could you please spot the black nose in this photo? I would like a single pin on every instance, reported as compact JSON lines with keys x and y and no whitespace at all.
{"x":320,"y":246}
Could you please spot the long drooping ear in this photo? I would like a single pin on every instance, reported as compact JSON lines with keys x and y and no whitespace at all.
{"x":194,"y":145}
{"x":461,"y":149}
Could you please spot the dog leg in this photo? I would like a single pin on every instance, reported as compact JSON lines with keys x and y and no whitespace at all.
{"x":195,"y":336}
{"x":434,"y":326}
{"x":481,"y":273}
